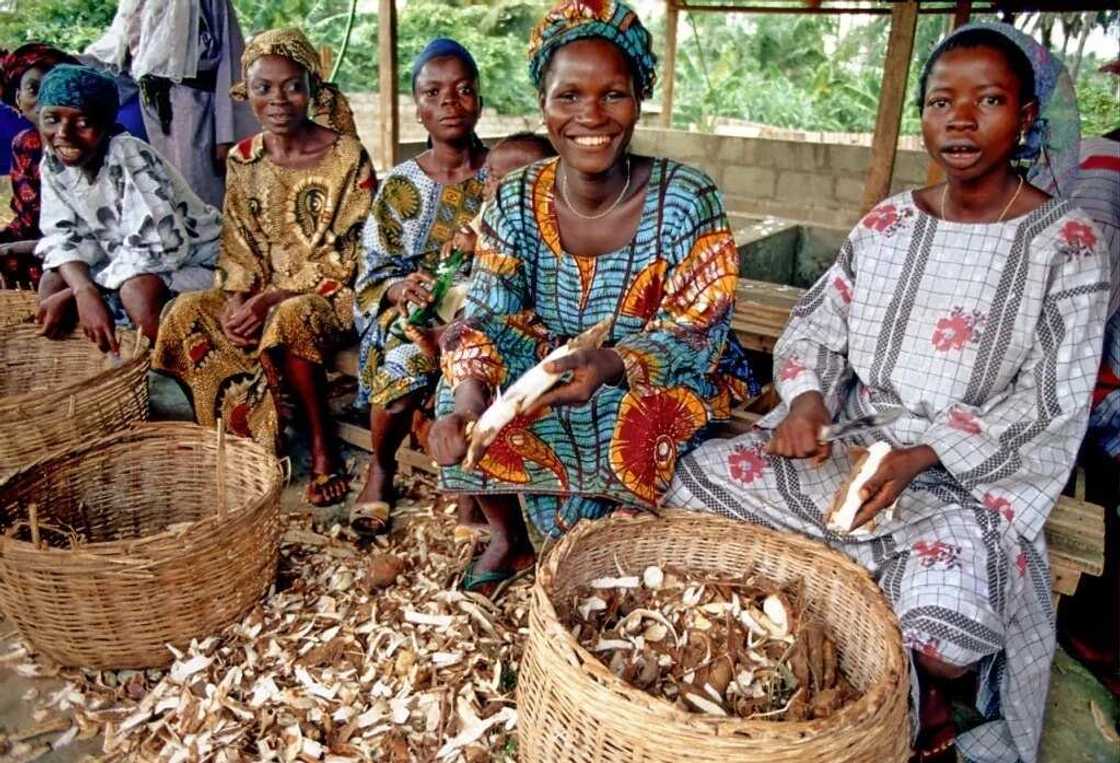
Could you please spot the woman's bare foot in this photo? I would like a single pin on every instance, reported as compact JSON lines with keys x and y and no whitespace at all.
{"x":329,"y":483}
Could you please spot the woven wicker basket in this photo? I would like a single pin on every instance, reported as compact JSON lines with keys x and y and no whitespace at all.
{"x":161,"y":560}
{"x":572,"y":708}
{"x":57,"y":393}
{"x":17,"y":306}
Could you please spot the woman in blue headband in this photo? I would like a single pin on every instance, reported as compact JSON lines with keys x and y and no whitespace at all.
{"x":419,"y":207}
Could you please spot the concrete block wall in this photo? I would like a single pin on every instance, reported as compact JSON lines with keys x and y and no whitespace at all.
{"x":818,"y":183}
{"x":801,"y":181}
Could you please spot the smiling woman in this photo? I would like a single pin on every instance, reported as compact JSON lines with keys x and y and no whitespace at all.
{"x":596,"y":234}
{"x":122,"y":232}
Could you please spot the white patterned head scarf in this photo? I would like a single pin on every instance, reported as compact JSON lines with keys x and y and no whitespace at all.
{"x":161,"y":36}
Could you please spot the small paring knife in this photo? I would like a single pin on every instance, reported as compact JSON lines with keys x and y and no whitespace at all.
{"x":860,"y":425}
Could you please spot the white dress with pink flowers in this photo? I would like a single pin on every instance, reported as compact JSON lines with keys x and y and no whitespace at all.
{"x":988,"y":336}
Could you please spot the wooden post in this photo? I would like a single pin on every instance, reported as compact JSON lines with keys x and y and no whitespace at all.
{"x":326,"y":58}
{"x":961,"y":15}
{"x":387,"y":60}
{"x":892,"y":96}
{"x":669,"y":66}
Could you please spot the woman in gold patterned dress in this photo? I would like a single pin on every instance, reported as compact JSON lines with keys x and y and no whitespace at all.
{"x":297,"y":195}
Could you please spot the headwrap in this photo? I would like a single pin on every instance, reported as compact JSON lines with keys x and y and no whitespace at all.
{"x":82,"y":88}
{"x":443,"y":47}
{"x":152,"y":37}
{"x":30,"y":56}
{"x":329,"y":107}
{"x":1053,"y":143}
{"x":613,"y":21}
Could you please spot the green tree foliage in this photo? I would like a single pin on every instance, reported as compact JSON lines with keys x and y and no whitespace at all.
{"x":68,"y":24}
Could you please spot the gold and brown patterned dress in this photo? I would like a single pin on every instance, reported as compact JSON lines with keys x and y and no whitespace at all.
{"x":296,"y":230}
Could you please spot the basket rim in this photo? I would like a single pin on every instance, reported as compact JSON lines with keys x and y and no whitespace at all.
{"x":854,"y":712}
{"x":139,"y":355}
{"x":131,"y":548}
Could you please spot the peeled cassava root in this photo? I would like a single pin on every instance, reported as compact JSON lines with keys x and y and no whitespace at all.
{"x":726,"y":648}
{"x":520,"y":396}
{"x":847,"y":501}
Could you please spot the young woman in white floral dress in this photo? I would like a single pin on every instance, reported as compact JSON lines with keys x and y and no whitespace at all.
{"x":974,"y":308}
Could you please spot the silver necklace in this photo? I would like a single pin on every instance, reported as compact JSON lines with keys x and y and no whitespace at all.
{"x":601,"y":215}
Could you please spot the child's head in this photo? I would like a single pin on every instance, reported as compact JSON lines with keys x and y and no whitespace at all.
{"x":513,"y":152}
{"x":22,"y":74}
{"x":77,"y":110}
{"x":977,"y":101}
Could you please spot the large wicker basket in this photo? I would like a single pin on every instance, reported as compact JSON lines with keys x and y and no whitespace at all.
{"x":57,"y":393}
{"x":160,"y":558}
{"x":572,"y":708}
{"x":17,"y":306}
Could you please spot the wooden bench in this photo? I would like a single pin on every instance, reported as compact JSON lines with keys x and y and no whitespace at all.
{"x":1074,"y":531}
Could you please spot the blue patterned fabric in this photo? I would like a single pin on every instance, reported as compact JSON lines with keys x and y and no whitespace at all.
{"x":82,"y":88}
{"x":670,"y":292}
{"x":584,"y":19}
{"x":412,"y":217}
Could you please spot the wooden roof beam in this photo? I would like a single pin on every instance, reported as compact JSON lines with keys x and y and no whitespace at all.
{"x":390,"y":117}
{"x":892,"y":97}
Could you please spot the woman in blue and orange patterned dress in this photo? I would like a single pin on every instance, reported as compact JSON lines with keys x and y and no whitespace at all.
{"x":595,"y":233}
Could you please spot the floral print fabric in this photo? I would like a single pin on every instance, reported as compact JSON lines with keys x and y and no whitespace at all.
{"x":136,"y":216}
{"x":294,"y":230}
{"x":412,"y":218}
{"x":987,"y":336}
{"x":670,"y":293}
{"x":27,"y":151}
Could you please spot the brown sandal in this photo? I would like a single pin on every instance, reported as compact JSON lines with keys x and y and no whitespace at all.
{"x":369,"y":519}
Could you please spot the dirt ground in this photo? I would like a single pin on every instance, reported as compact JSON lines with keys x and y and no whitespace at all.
{"x":1081,"y":712}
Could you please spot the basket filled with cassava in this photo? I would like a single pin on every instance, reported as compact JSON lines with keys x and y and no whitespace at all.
{"x":118,"y":547}
{"x":693,"y":637}
{"x":57,"y":392}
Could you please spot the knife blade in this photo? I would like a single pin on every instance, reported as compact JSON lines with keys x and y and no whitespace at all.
{"x":859,"y":425}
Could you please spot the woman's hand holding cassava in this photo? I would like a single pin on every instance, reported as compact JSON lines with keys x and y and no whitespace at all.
{"x":798,"y":435}
{"x":447,"y":439}
{"x":589,"y":369}
{"x":897,"y":470}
